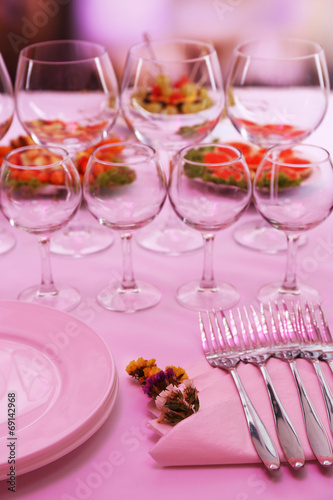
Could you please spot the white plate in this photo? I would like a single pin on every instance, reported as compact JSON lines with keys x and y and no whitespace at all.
{"x":64,"y":379}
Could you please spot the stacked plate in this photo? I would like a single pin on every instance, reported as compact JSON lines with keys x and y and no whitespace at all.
{"x":58,"y":384}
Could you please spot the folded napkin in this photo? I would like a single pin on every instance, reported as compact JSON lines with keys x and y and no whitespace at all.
{"x":218,"y":432}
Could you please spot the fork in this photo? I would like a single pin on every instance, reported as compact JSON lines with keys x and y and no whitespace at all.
{"x":219,"y":354}
{"x":312,"y":350}
{"x":287,"y":348}
{"x":326,"y":338}
{"x":257,"y":351}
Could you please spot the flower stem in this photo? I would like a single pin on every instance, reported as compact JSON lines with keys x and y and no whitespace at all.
{"x":207,"y":278}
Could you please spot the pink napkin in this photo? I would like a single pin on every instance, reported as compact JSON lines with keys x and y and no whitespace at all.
{"x":218,"y":432}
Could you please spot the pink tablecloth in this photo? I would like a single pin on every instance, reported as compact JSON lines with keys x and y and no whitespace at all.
{"x":115,"y":463}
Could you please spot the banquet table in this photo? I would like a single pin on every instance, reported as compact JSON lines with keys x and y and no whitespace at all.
{"x":169,"y":333}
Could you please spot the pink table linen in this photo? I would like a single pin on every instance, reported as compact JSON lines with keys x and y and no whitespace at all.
{"x":211,"y":437}
{"x":115,"y":462}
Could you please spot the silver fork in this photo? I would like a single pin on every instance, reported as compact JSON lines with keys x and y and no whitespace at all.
{"x":312,"y":350}
{"x":287,"y":348}
{"x":258,"y":351}
{"x":326,"y":338}
{"x":221,"y":351}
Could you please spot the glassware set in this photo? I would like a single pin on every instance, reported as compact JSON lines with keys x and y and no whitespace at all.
{"x":209,"y":203}
{"x":171,"y":97}
{"x":125,"y":189}
{"x":277,"y":93}
{"x":41,"y":208}
{"x":67,"y":96}
{"x":293,"y":208}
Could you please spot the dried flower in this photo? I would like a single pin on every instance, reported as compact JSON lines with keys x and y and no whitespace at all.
{"x":179,"y":373}
{"x":174,"y":394}
{"x":161,"y":379}
{"x":149,"y":371}
{"x":177,"y":403}
{"x":136,"y":369}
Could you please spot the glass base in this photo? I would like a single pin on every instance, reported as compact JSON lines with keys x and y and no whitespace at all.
{"x":192,"y":296}
{"x":169,"y":241}
{"x":80,"y":240}
{"x":7,"y":241}
{"x":169,"y":235}
{"x":259,"y":235}
{"x":66,"y":298}
{"x":114,"y":298}
{"x":274,"y":292}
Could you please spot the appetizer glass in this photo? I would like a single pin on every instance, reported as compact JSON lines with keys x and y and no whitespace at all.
{"x":209,"y":189}
{"x":67,"y":95}
{"x":277,"y":93}
{"x":293,"y":207}
{"x":125,"y":188}
{"x":40,"y":192}
{"x":7,"y":239}
{"x":171,"y":96}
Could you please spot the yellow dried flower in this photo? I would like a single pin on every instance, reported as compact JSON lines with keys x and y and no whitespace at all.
{"x":137,"y":368}
{"x":142,"y":363}
{"x":131,"y":367}
{"x":179,"y":372}
{"x":151,"y":370}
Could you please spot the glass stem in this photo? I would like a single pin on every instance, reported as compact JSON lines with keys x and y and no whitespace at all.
{"x":290,"y":280}
{"x":171,"y":222}
{"x":128,"y":281}
{"x":171,"y":159}
{"x":207,"y":278}
{"x":47,"y":286}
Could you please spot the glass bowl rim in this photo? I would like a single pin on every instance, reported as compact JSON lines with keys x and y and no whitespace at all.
{"x":66,"y":156}
{"x":145,"y":147}
{"x":318,"y":49}
{"x":185,"y":41}
{"x":240,"y":156}
{"x":99,"y":48}
{"x":308,"y":163}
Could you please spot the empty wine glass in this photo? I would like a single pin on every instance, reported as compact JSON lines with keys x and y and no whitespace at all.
{"x":125,"y":188}
{"x":277,"y":93}
{"x":7,"y":240}
{"x":67,"y":95}
{"x":171,"y":96}
{"x":293,"y":191}
{"x":40,"y":193}
{"x":209,"y":189}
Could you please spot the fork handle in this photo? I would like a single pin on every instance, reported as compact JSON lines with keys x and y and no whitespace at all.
{"x":325,"y":389}
{"x":330,"y":362}
{"x":317,"y":436}
{"x":288,"y":438}
{"x":259,"y":435}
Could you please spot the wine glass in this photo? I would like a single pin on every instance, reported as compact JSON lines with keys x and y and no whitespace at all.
{"x":278,"y":93}
{"x":66,"y":95}
{"x":209,"y":189}
{"x":40,"y":193}
{"x":125,"y":188}
{"x":7,"y":240}
{"x":171,"y":96}
{"x":293,"y":191}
